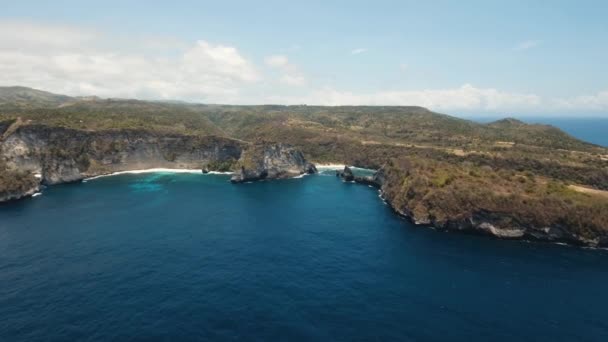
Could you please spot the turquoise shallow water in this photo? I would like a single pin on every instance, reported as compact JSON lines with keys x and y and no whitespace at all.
{"x":193,"y":257}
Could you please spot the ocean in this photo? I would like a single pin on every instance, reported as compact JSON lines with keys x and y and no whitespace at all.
{"x":165,"y":256}
{"x":593,"y":130}
{"x":589,"y":129}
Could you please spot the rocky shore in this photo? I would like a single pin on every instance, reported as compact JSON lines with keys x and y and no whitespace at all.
{"x":271,"y":161}
{"x":478,"y":221}
{"x":35,"y":155}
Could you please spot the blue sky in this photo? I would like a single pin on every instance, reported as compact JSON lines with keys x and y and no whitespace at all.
{"x":458,"y":57}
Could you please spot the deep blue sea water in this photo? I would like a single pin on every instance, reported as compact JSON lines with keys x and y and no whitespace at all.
{"x":193,"y":257}
{"x":593,"y":130}
{"x":590,"y":129}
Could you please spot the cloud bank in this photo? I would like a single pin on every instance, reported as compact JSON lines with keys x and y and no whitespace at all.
{"x":78,"y":61}
{"x":526,"y":45}
{"x":291,"y":74}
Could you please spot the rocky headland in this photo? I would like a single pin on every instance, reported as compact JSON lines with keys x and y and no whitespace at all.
{"x":419,"y":203}
{"x":271,"y":161}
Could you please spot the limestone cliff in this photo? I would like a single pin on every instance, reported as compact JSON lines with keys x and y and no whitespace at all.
{"x":262,"y":161}
{"x":59,"y":155}
{"x":424,"y":205}
{"x":62,"y":155}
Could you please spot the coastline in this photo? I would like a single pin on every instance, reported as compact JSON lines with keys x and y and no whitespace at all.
{"x":156,"y":170}
{"x":329,"y":166}
{"x":340,"y":167}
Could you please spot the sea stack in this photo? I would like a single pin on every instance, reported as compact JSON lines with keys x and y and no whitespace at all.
{"x":347,"y":174}
{"x":271,"y":161}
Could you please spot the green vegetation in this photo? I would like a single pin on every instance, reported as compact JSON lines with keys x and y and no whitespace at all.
{"x":220,"y":166}
{"x":15,"y":182}
{"x":22,"y":97}
{"x":519,"y":198}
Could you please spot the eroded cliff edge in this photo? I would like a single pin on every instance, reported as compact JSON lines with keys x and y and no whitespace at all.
{"x":446,"y":205}
{"x":31,"y":155}
{"x":270,"y":161}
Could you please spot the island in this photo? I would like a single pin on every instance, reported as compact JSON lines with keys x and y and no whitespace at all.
{"x":507,"y":179}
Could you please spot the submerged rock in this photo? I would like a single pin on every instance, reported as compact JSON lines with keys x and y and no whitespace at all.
{"x":271,"y":161}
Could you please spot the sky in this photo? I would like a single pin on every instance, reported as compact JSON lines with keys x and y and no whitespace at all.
{"x":456,"y":57}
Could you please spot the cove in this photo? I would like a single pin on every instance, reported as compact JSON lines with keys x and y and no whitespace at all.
{"x":191,"y":256}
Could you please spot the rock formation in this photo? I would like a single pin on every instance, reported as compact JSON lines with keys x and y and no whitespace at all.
{"x":271,"y":161}
{"x":59,"y":155}
{"x":346,"y":174}
{"x":478,"y":220}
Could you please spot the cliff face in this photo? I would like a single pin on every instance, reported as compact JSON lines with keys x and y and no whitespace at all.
{"x":512,"y":216}
{"x":261,"y":161}
{"x":52,"y":155}
{"x":62,"y":155}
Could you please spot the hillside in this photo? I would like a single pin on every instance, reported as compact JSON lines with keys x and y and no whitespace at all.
{"x":22,"y":97}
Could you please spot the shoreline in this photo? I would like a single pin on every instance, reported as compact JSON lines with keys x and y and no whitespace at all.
{"x":156,"y":170}
{"x":329,"y":166}
{"x":340,"y":167}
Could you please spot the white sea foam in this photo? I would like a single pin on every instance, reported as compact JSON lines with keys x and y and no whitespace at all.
{"x":37,"y":194}
{"x":596,"y":248}
{"x":301,"y":176}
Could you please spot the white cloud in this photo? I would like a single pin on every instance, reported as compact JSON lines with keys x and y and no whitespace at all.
{"x":358,"y":51}
{"x":30,"y":35}
{"x":76,"y":62}
{"x":527,"y":45}
{"x":80,"y":61}
{"x":595,"y":102}
{"x":290,"y":73}
{"x":466,"y":97}
{"x":277,"y":61}
{"x":463,"y":99}
{"x":293,"y":79}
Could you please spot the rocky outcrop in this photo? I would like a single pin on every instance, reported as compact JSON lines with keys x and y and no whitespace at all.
{"x":7,"y":196}
{"x":503,"y":225}
{"x":346,"y":174}
{"x":271,"y":161}
{"x":15,"y":184}
{"x":376,"y":180}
